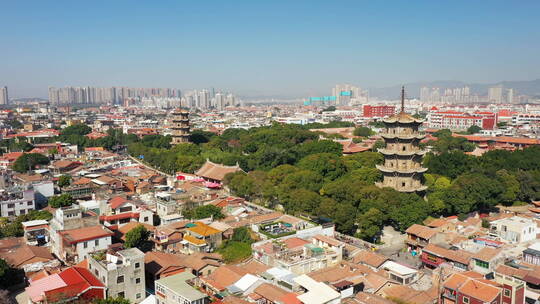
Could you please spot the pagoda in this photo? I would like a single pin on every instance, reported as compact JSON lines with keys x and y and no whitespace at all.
{"x":180,"y":126}
{"x":402,"y":168}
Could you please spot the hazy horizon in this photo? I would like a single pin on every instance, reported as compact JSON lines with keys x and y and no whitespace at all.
{"x":256,"y":48}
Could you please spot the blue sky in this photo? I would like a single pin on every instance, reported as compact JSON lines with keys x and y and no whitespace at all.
{"x":289,"y":48}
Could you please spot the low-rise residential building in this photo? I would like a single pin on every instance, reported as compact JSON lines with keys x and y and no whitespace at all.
{"x":515,"y":229}
{"x":473,"y":289}
{"x":16,"y":201}
{"x":72,"y":284}
{"x":486,"y":260}
{"x":200,"y":237}
{"x":122,"y":272}
{"x":419,"y":236}
{"x":176,"y":289}
{"x":298,"y":255}
{"x":532,"y":254}
{"x":77,"y":244}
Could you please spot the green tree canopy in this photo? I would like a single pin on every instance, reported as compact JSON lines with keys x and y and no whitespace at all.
{"x":329,"y":166}
{"x":64,"y":180}
{"x":29,"y":161}
{"x":363,"y":131}
{"x":474,"y":129}
{"x":138,"y":237}
{"x":77,"y":129}
{"x":205,"y":211}
{"x":62,"y":200}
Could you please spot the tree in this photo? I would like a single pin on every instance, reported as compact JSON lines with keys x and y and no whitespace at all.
{"x":62,"y":200}
{"x":474,"y":129}
{"x":363,"y":131}
{"x":242,"y":234}
{"x":77,"y":129}
{"x":370,"y":224}
{"x":450,"y":164}
{"x":320,"y":146}
{"x":205,"y":211}
{"x":510,"y":186}
{"x":329,"y":109}
{"x":138,"y":237}
{"x":329,"y":166}
{"x":29,"y":161}
{"x":64,"y":180}
{"x":118,"y":300}
{"x":379,"y":144}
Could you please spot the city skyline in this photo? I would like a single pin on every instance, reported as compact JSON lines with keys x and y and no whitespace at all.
{"x":259,"y":48}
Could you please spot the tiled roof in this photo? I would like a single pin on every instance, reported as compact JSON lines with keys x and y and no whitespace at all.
{"x":487,"y":254}
{"x":193,"y":240}
{"x":271,"y":292}
{"x":328,"y":240}
{"x":370,"y":258}
{"x":84,"y":234}
{"x":421,"y":231}
{"x":117,"y":201}
{"x":216,"y":171}
{"x":20,"y":256}
{"x":224,"y":276}
{"x":203,"y":229}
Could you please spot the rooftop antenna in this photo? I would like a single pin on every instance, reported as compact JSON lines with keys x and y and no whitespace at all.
{"x":402,"y":99}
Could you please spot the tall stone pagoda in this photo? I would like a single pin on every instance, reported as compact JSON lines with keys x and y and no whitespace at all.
{"x":402,"y":168}
{"x":180,"y":126}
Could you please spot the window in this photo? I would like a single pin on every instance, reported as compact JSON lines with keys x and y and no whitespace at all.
{"x":11,"y":205}
{"x":137,"y":280}
{"x":30,"y":203}
{"x":482,"y":264}
{"x":23,"y":211}
{"x":11,"y":213}
{"x":120,"y":279}
{"x":121,"y":295}
{"x":96,"y":242}
{"x":137,"y":265}
{"x":85,"y":244}
{"x":507,"y":292}
{"x":465,"y":300}
{"x":138,"y":296}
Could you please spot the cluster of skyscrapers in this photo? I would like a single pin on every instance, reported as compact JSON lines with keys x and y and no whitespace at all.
{"x":500,"y":95}
{"x":112,"y":95}
{"x":206,"y":99}
{"x":4,"y":97}
{"x":463,"y":95}
{"x":456,"y":95}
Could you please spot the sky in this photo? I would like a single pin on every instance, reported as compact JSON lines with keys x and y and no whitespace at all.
{"x":264,"y":48}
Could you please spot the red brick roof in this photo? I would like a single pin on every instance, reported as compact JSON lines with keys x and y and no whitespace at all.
{"x":84,"y":234}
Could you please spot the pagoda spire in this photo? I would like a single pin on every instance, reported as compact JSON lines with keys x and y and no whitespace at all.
{"x":402,"y":99}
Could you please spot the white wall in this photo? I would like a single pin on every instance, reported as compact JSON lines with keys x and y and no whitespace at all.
{"x":91,"y":247}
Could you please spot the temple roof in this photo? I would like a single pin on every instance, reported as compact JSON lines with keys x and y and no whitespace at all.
{"x":402,"y":117}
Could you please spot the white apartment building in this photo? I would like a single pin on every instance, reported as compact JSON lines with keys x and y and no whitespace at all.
{"x":515,"y":229}
{"x":16,"y":201}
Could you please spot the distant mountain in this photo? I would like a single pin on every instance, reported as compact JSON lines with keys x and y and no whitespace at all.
{"x":526,"y":87}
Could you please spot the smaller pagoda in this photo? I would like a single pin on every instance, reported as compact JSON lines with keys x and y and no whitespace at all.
{"x":402,"y":168}
{"x":180,"y":126}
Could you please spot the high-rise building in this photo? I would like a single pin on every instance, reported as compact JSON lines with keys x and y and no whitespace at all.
{"x":402,"y":168}
{"x":495,"y":94}
{"x":4,"y":97}
{"x":180,"y":126}
{"x":231,"y":100}
{"x":220,"y":101}
{"x":510,"y":96}
{"x":345,"y":92}
{"x":425,"y":94}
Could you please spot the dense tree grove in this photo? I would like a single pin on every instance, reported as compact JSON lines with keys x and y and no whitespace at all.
{"x":291,"y":168}
{"x":297,"y":170}
{"x":29,"y":161}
